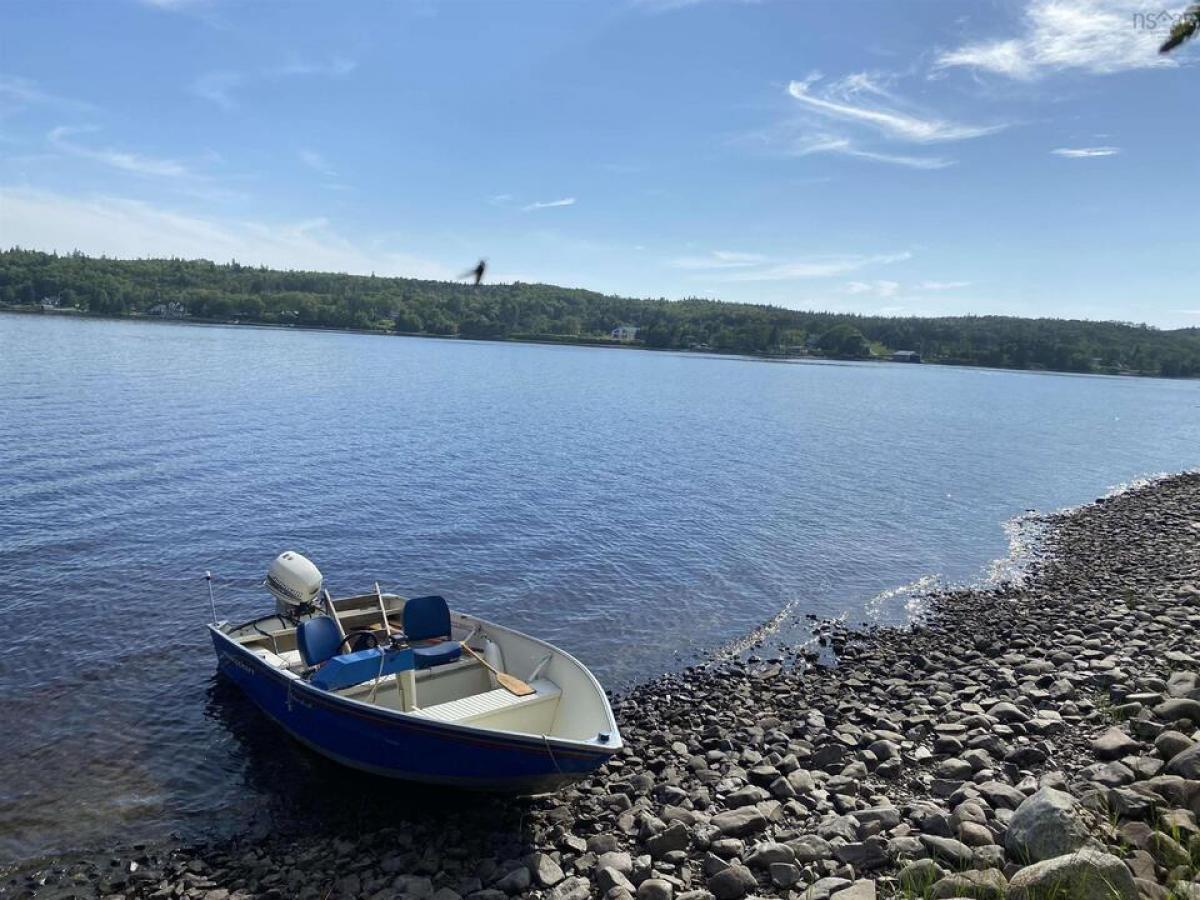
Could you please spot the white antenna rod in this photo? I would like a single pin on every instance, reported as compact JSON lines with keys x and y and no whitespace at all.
{"x":211,"y":601}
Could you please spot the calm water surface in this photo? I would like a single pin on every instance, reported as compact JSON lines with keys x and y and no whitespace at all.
{"x":635,"y":508}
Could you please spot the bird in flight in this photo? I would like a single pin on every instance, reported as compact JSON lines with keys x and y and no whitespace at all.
{"x":477,"y":272}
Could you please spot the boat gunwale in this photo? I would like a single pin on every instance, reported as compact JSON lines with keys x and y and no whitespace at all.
{"x":484,"y":736}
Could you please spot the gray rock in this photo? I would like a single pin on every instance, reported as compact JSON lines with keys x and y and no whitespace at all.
{"x":1186,"y":764}
{"x":785,"y":875}
{"x":573,"y":888}
{"x":1045,"y":826}
{"x":676,"y":837}
{"x":865,"y":856}
{"x":765,"y":855}
{"x":919,"y":875}
{"x":616,"y":859}
{"x":948,"y":850}
{"x":740,"y":822}
{"x":655,"y":889}
{"x":1171,"y":743}
{"x":546,"y":872}
{"x":986,"y":884}
{"x":608,"y":878}
{"x":1084,"y":873}
{"x":1179,"y":708}
{"x":515,"y":881}
{"x":811,"y":848}
{"x":1114,"y":744}
{"x":860,"y":890}
{"x":732,"y":882}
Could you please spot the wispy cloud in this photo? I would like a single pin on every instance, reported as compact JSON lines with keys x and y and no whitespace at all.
{"x":126,"y":161}
{"x":548,"y":204}
{"x":334,"y":68}
{"x":728,"y":266}
{"x":663,"y":6}
{"x":499,"y":199}
{"x":719,"y":259}
{"x":18,"y":93}
{"x":316,"y":162}
{"x":1094,"y":36}
{"x":807,"y":145}
{"x":1085,"y":152}
{"x":126,"y":228}
{"x":890,"y":122}
{"x":879,"y":288}
{"x":219,"y":86}
{"x":942,"y":285}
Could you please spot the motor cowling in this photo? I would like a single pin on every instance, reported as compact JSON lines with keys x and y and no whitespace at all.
{"x":294,"y":582}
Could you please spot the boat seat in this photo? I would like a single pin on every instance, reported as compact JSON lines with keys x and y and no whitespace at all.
{"x":427,"y":627}
{"x":317,"y":639}
{"x":479,"y":706}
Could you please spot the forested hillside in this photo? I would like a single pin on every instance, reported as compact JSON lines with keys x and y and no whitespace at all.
{"x":207,"y":291}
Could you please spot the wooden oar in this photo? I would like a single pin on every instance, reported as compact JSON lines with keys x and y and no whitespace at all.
{"x":510,"y":683}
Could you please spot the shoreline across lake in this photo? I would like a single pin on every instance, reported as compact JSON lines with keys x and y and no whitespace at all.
{"x":1020,"y":739}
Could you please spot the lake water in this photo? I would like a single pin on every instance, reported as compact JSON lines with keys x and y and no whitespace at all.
{"x":635,"y":508}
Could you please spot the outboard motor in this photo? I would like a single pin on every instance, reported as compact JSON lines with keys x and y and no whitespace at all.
{"x":295,"y":583}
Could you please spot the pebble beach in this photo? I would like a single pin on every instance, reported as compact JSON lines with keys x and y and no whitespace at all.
{"x":1032,"y":740}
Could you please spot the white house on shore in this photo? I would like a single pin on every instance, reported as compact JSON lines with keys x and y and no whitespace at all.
{"x":625,"y":333}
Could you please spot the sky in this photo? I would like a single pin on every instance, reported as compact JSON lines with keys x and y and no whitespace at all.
{"x":920,"y":158}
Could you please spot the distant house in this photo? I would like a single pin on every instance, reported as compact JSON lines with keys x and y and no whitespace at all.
{"x":624,"y":333}
{"x":170,"y":310}
{"x":49,"y":303}
{"x":906,"y":356}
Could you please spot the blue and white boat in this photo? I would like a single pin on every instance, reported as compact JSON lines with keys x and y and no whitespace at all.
{"x":383,"y":684}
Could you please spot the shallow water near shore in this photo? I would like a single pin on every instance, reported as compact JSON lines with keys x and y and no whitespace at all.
{"x":634,"y":508}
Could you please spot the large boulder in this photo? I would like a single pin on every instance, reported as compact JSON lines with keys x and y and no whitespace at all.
{"x":981,"y":884}
{"x":1045,"y":825}
{"x":732,"y":882}
{"x":1084,"y":873}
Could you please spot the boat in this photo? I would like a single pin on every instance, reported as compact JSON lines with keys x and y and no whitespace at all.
{"x":407,"y":689}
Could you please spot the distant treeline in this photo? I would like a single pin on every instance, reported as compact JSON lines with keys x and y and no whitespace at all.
{"x":204,"y":290}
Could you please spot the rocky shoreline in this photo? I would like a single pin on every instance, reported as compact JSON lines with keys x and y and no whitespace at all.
{"x":1031,"y":741}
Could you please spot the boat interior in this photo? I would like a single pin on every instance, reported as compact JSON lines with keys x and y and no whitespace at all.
{"x":356,"y":648}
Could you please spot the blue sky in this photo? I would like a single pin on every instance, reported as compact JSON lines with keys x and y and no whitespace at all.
{"x":1027,"y":158}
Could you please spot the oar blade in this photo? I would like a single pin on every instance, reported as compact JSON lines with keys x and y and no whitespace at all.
{"x":514,"y":685}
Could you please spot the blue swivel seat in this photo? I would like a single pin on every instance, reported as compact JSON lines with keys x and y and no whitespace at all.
{"x":427,"y":627}
{"x":318,"y":640}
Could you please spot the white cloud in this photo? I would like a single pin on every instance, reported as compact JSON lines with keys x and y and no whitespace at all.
{"x":943,"y":285}
{"x":128,"y":228}
{"x":827,"y":143}
{"x":136,"y":163}
{"x":880,"y":288}
{"x":316,"y":162}
{"x":718,"y":259}
{"x":549,"y":204}
{"x":892,"y":123}
{"x":726,"y":266}
{"x":334,"y":68}
{"x":1085,"y":152}
{"x":1094,"y":36}
{"x":499,"y":199}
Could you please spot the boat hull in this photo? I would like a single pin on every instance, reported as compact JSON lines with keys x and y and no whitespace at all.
{"x":397,"y":745}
